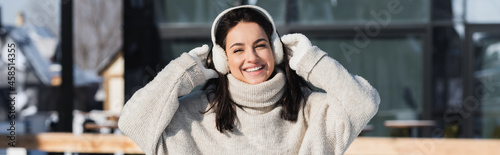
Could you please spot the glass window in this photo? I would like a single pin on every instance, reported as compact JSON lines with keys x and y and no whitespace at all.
{"x":393,"y":66}
{"x":483,"y":11}
{"x":193,"y":11}
{"x":362,"y":11}
{"x":277,"y":9}
{"x":173,"y":48}
{"x":487,"y":73}
{"x":203,"y":12}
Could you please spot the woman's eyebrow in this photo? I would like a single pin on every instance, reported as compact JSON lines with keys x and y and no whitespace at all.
{"x":236,"y":44}
{"x":255,"y":42}
{"x":259,"y":40}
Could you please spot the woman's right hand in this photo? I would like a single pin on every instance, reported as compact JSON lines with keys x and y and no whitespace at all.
{"x":200,"y":54}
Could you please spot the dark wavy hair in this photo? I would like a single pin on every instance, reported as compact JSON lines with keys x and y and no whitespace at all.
{"x":222,"y":104}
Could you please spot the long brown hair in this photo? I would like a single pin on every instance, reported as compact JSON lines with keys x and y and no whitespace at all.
{"x":222,"y":104}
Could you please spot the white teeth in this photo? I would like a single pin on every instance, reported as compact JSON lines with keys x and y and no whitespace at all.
{"x":254,"y":69}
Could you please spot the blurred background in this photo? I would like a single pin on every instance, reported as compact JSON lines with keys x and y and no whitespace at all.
{"x":435,"y":63}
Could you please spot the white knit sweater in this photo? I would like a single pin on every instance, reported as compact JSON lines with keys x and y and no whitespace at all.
{"x":161,"y":123}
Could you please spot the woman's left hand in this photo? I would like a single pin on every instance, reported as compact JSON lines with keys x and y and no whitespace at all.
{"x":298,"y":45}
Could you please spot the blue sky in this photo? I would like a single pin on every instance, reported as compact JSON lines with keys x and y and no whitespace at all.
{"x":10,"y":8}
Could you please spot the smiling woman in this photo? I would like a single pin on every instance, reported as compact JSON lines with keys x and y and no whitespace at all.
{"x":255,"y":100}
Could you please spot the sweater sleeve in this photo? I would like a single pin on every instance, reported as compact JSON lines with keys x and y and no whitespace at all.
{"x":350,"y":100}
{"x":149,"y":111}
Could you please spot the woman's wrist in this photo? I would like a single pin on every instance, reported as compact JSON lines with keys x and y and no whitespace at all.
{"x":308,"y":61}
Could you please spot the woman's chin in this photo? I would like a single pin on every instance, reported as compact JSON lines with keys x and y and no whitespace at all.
{"x":254,"y":80}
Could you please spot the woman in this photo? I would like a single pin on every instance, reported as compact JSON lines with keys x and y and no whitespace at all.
{"x":256,"y":100}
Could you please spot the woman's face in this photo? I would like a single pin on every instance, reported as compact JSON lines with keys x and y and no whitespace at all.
{"x":249,"y":53}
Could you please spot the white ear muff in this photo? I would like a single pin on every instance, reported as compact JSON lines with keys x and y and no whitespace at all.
{"x":278,"y":48}
{"x":220,"y":59}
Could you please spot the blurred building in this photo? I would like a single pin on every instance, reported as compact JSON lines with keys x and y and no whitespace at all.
{"x":32,"y":67}
{"x":114,"y":84}
{"x":429,"y":60}
{"x":34,"y":73}
{"x":38,"y":68}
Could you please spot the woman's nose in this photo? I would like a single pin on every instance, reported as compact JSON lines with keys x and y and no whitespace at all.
{"x":252,"y":56}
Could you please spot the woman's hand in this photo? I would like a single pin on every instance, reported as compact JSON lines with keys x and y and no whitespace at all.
{"x":298,"y":45}
{"x":200,"y":54}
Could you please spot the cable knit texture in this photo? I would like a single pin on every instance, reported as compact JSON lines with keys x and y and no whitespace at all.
{"x":162,"y":123}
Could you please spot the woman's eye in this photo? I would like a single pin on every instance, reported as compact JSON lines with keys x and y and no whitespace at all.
{"x":261,"y":45}
{"x":238,"y":50}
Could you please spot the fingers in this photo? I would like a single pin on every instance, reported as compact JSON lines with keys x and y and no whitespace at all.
{"x":204,"y":49}
{"x":201,"y":51}
{"x":290,"y":39}
{"x":298,"y":45}
{"x":295,"y":39}
{"x":303,"y":41}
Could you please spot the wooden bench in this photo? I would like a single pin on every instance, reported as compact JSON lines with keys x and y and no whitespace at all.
{"x":68,"y":142}
{"x":108,"y":143}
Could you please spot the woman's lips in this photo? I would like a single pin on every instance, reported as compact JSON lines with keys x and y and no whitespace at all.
{"x":254,"y":69}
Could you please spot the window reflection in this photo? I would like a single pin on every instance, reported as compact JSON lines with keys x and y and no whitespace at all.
{"x":487,"y":74}
{"x":393,"y":66}
{"x":203,"y":12}
{"x":173,"y":48}
{"x":362,"y":11}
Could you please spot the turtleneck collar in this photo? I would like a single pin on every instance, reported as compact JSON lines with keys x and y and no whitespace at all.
{"x":259,"y":98}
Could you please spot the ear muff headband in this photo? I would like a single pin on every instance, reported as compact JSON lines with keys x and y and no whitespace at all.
{"x":219,"y":55}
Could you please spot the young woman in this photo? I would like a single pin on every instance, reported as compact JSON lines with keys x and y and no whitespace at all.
{"x":256,"y":99}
